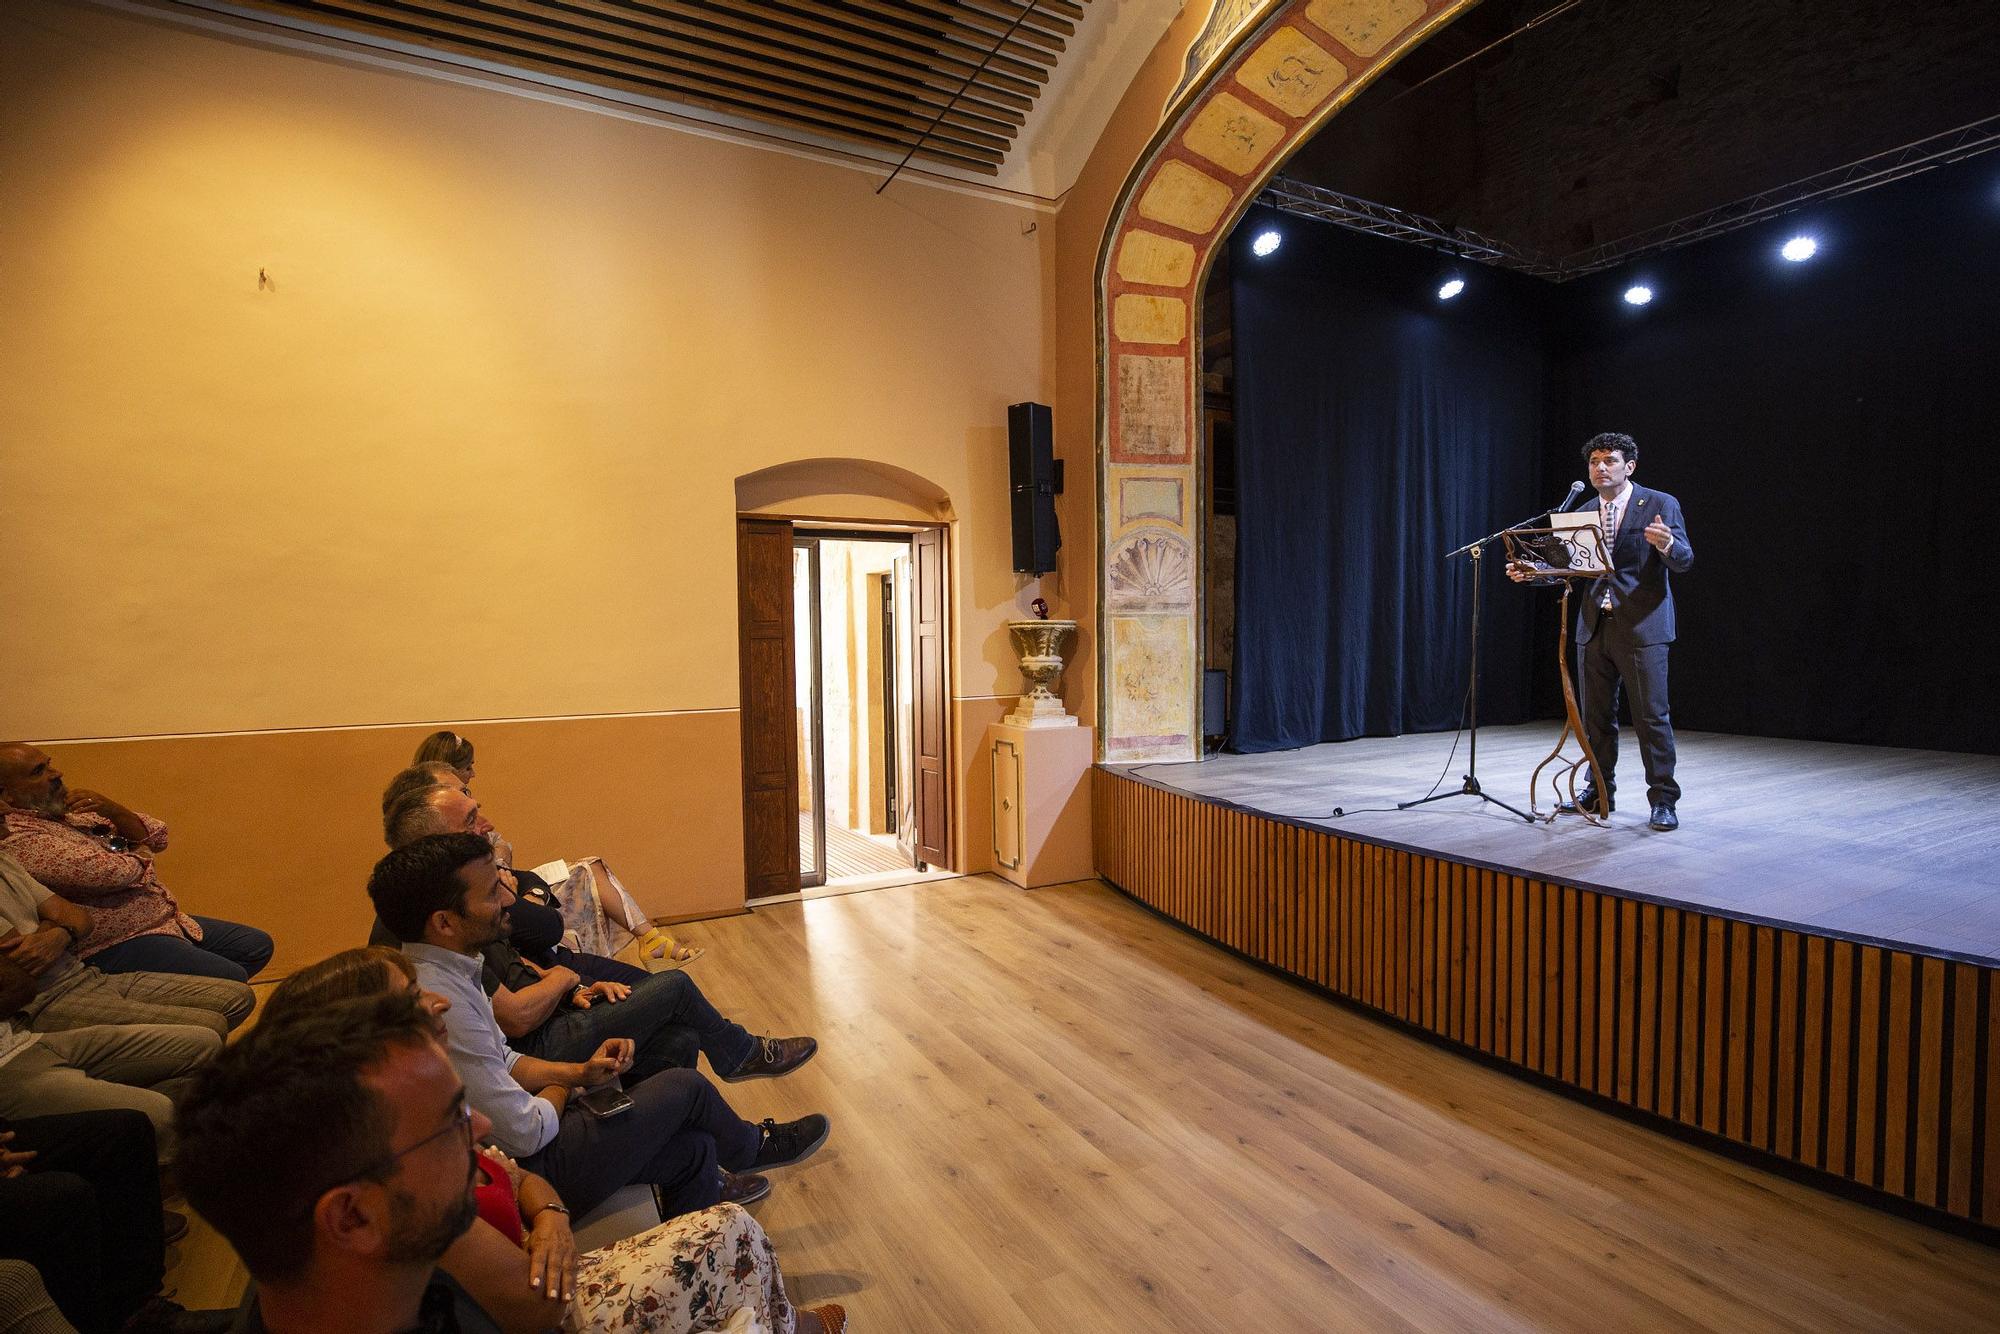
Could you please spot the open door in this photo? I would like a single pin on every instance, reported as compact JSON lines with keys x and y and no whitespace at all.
{"x":933,"y":715}
{"x":905,"y":713}
{"x":766,"y":671}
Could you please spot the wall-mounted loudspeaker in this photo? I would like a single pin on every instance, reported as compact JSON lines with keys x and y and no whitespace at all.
{"x":1035,"y":478}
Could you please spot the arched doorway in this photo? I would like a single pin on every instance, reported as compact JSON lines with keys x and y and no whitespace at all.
{"x":1294,"y":68}
{"x":784,"y":513}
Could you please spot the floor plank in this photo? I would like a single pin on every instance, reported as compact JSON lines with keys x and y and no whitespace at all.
{"x":1055,"y":1111}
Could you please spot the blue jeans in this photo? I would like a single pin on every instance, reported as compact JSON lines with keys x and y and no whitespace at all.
{"x":226,"y":949}
{"x":668,"y":1020}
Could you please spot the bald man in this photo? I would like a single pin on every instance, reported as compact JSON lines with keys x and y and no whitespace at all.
{"x":99,"y":854}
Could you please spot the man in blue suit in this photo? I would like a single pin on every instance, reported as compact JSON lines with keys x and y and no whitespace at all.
{"x":1627,"y":621}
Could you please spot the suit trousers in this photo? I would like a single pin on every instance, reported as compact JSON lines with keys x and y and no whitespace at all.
{"x":88,"y":997}
{"x":86,"y":1214}
{"x":667,"y":1018}
{"x":675,"y":1135}
{"x":142,"y":1067}
{"x":1606,"y":662}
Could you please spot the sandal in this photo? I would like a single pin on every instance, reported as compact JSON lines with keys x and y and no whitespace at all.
{"x":659,"y":947}
{"x":832,"y":1317}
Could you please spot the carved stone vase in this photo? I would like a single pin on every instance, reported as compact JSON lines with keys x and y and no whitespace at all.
{"x":1040,"y":645}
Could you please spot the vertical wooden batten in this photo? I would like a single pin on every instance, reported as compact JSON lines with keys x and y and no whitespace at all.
{"x":1875,"y":1066}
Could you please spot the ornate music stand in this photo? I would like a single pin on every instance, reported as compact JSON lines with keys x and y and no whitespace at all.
{"x":1568,"y":555}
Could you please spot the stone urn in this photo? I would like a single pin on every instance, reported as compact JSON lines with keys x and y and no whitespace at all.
{"x":1040,"y":645}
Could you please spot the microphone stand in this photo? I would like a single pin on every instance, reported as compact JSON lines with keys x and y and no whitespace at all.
{"x":1470,"y":787}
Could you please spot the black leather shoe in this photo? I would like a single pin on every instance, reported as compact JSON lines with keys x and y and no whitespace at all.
{"x":1664,"y":819}
{"x":786,"y":1142}
{"x":1586,"y":800}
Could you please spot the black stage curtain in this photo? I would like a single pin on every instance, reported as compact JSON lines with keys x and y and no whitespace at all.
{"x":1827,"y":426}
{"x":1375,"y":431}
{"x":1830,"y":429}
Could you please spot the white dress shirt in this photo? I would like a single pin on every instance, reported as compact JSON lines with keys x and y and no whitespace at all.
{"x":522,"y":1123}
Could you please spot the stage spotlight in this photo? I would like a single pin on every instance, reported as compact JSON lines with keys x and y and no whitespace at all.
{"x":1638,"y":294}
{"x":1800,"y":249}
{"x":1265,"y":243}
{"x":1452,"y":287}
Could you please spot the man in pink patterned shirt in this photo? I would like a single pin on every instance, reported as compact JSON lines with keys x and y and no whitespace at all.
{"x":94,"y":851}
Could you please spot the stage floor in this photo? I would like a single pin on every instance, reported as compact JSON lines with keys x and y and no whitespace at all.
{"x":1896,"y":847}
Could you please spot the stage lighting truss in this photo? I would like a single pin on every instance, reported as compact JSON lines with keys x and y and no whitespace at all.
{"x":1362,"y":215}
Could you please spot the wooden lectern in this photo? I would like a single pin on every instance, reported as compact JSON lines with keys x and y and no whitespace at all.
{"x":1568,"y":554}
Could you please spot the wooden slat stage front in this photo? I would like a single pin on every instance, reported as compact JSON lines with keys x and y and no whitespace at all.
{"x":1874,"y":1063}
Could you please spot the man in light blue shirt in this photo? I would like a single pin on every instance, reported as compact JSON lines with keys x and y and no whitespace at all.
{"x":445,"y":898}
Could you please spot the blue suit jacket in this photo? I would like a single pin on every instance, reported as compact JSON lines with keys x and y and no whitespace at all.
{"x":1641,"y":589}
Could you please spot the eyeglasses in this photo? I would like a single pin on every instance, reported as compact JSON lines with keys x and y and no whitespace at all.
{"x":462,"y":1123}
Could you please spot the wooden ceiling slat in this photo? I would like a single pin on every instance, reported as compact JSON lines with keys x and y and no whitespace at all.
{"x":872,"y":72}
{"x":714,"y":53}
{"x":1037,"y":27}
{"x":529,"y":23}
{"x":483,"y":41}
{"x":978,"y":57}
{"x":804,"y":28}
{"x":1057,"y":15}
{"x":928,"y":20}
{"x":950,"y":81}
{"x":789,"y":46}
{"x":993,"y":25}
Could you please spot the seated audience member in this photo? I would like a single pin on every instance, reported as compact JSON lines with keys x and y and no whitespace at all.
{"x":80,"y":1201}
{"x":449,"y":749}
{"x":593,"y":901}
{"x":445,"y":898}
{"x":519,"y":1261}
{"x":335,"y":1154}
{"x":407,"y":815}
{"x":89,"y":849}
{"x":137,"y":1067}
{"x":38,"y":930}
{"x":555,"y":1014}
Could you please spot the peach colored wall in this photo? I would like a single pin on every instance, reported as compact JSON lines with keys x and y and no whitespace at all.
{"x":490,"y":403}
{"x":281,"y":828}
{"x":467,"y":448}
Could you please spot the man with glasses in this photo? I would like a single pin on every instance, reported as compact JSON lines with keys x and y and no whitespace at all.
{"x":334,"y":1152}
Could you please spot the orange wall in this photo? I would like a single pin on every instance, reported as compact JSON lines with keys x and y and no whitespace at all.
{"x":280,"y":829}
{"x":468,"y":449}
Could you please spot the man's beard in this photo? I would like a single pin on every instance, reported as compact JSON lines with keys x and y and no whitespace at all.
{"x":52,"y":804}
{"x":414,"y":1240}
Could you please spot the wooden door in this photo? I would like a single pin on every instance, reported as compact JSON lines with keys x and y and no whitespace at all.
{"x":770,"y":726}
{"x":933,"y":785}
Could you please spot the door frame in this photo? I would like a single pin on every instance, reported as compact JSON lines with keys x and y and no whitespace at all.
{"x":828,"y":526}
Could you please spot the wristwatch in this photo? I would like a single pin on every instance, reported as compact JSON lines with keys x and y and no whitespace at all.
{"x":562,"y":1209}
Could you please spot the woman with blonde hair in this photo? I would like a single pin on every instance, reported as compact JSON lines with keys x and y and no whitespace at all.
{"x":593,"y":901}
{"x":713,"y":1269}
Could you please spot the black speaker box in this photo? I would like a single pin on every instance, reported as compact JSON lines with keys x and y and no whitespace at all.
{"x":1034,"y":480}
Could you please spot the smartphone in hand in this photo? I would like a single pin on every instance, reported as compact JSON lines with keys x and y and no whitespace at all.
{"x":605,"y":1100}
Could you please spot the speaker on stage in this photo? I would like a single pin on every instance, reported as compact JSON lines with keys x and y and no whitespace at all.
{"x":1214,"y":703}
{"x":1035,"y":478}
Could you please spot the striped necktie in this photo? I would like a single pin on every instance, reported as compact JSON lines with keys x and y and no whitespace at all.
{"x":1608,"y":514}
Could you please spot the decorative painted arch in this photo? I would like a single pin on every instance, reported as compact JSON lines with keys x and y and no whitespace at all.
{"x":1215,"y":150}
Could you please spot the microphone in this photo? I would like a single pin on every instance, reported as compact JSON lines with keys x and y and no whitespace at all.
{"x":1575,"y":489}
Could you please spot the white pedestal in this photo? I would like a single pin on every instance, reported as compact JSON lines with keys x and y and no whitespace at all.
{"x":1041,"y":802}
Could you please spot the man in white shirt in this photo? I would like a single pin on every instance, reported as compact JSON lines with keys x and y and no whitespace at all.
{"x":446,"y":898}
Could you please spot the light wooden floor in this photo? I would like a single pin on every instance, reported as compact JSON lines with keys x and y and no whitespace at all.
{"x":1053,"y":1111}
{"x":1861,"y":842}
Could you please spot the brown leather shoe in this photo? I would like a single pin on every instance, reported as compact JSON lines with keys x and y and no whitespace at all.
{"x":773,"y":1057}
{"x":832,"y":1317}
{"x":744,"y":1187}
